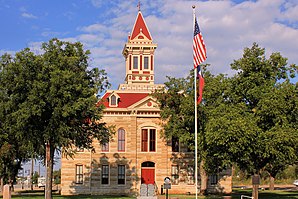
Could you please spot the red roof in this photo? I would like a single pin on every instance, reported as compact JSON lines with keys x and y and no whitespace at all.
{"x":126,"y":99}
{"x":140,"y":24}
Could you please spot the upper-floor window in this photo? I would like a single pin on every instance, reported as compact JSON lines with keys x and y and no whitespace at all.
{"x":105,"y":174}
{"x":135,"y":62}
{"x":148,"y":140}
{"x":105,"y":147}
{"x":79,"y":174}
{"x":146,"y":63}
{"x":121,"y":174}
{"x":175,"y":144}
{"x":121,"y":140}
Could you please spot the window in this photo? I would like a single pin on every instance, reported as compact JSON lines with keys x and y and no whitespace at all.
{"x":105,"y":147}
{"x":175,"y":174}
{"x":79,"y":174}
{"x":144,"y":139}
{"x":152,"y":140}
{"x":121,"y":174}
{"x":113,"y":100}
{"x":213,"y":179}
{"x":121,"y":140}
{"x":105,"y":174}
{"x":148,"y":140}
{"x":175,"y":144}
{"x":190,"y":174}
{"x":146,"y":63}
{"x":135,"y":62}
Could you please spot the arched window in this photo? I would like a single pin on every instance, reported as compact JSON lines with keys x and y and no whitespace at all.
{"x":121,"y":140}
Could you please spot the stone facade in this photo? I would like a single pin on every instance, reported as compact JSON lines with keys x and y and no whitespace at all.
{"x":137,"y":154}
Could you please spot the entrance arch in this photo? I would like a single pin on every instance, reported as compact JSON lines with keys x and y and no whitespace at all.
{"x":148,"y":173}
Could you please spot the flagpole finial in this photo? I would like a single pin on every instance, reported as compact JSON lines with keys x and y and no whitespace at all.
{"x":193,"y":7}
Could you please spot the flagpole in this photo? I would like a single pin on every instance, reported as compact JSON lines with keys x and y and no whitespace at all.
{"x":196,"y":117}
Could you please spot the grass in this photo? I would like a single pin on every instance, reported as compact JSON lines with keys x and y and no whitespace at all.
{"x":277,"y":194}
{"x":69,"y":197}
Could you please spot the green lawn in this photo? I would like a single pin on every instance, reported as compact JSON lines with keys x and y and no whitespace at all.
{"x":277,"y":194}
{"x":68,"y":197}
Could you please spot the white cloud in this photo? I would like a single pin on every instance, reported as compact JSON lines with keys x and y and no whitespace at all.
{"x":227,"y":29}
{"x":28,"y":15}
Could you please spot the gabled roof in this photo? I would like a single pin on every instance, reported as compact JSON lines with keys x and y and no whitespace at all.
{"x":140,"y":26}
{"x":126,"y":99}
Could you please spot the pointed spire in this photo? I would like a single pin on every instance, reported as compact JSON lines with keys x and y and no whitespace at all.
{"x":140,"y":27}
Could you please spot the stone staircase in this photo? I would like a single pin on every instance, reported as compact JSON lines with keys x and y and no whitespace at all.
{"x":147,"y":191}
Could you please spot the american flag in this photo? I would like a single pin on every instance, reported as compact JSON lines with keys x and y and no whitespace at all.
{"x":199,"y":48}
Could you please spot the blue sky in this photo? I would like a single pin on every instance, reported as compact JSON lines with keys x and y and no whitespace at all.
{"x":102,"y":26}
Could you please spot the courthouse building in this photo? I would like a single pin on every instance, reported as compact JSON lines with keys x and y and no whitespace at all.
{"x":137,"y":159}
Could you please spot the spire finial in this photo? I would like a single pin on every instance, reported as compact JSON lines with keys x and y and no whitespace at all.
{"x":139,"y":6}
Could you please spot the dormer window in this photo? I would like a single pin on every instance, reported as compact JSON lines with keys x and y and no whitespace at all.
{"x":113,"y":100}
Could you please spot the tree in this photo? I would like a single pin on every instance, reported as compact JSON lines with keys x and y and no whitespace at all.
{"x":13,"y":149}
{"x":249,"y":119}
{"x":53,"y":96}
{"x":256,"y":127}
{"x":177,"y":111}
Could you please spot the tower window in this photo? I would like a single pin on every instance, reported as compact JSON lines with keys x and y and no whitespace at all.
{"x":146,"y":63}
{"x":135,"y":62}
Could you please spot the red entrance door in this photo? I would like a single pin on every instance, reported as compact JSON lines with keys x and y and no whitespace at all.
{"x":148,"y":175}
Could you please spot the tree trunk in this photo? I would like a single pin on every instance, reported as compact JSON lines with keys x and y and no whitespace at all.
{"x":2,"y":181}
{"x":204,"y":178}
{"x":271,"y":184}
{"x":49,"y":170}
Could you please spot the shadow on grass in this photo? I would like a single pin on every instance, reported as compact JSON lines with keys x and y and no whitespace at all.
{"x":40,"y":195}
{"x":277,"y":194}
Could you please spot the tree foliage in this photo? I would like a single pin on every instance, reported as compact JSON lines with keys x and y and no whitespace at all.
{"x":248,"y":119}
{"x":50,"y":98}
{"x":256,"y":127}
